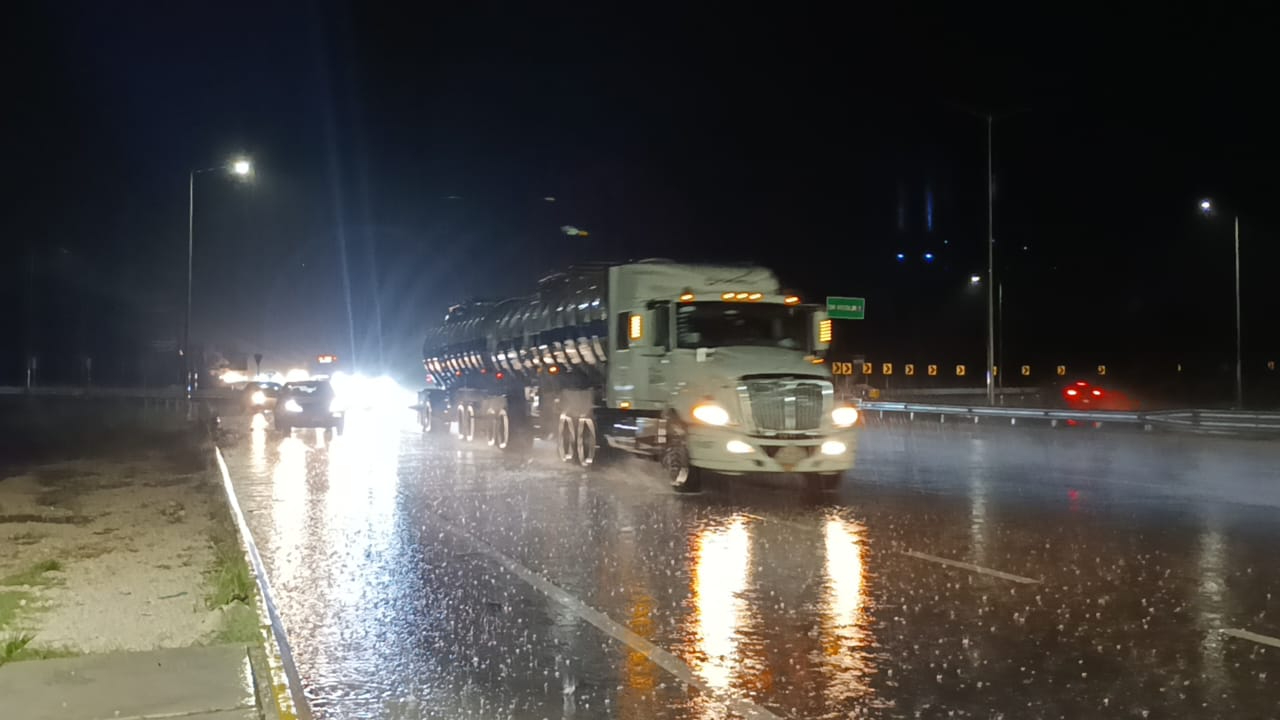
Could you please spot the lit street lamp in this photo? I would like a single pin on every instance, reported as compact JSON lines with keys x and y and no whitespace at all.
{"x":242,"y":168}
{"x":1207,"y":207}
{"x":975,"y":279}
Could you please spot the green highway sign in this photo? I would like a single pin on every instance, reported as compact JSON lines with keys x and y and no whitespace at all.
{"x":846,"y":308}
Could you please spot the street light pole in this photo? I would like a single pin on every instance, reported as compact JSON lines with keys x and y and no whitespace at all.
{"x":186,"y":323}
{"x":243,"y":169}
{"x":991,"y":279}
{"x":1239,"y":354}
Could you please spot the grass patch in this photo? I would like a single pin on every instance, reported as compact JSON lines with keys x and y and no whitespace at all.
{"x":11,"y":601}
{"x":33,"y":575}
{"x":239,"y":625}
{"x":17,"y":648}
{"x":228,"y":576}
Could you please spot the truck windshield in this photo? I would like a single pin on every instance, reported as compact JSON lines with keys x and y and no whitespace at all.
{"x":720,"y":324}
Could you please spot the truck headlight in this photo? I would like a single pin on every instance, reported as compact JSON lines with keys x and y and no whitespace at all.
{"x":258,"y":397}
{"x":711,"y":414}
{"x":292,"y":405}
{"x":834,"y":447}
{"x":737,"y":447}
{"x":844,"y":416}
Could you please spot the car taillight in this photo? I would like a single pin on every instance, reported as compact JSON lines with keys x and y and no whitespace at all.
{"x":1097,"y":393}
{"x":1072,"y":392}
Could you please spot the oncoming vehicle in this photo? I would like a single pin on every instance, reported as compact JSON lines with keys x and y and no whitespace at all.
{"x":261,"y":395}
{"x":700,"y":367}
{"x":308,"y":403}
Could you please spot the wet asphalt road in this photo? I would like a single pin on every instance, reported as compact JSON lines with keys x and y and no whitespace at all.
{"x":1028,"y":573}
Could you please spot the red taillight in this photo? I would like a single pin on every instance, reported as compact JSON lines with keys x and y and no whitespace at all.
{"x":1097,"y":393}
{"x":1072,"y":392}
{"x":499,"y":375}
{"x":1081,"y":383}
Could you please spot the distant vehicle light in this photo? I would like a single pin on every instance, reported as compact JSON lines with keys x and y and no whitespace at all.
{"x":844,"y":416}
{"x":1072,"y":392}
{"x":292,"y":405}
{"x":258,"y":397}
{"x":791,"y":300}
{"x":975,"y":279}
{"x":901,"y":257}
{"x":928,"y":257}
{"x":1097,"y":393}
{"x":499,"y":375}
{"x":711,"y":414}
{"x":1081,"y":383}
{"x":834,"y":447}
{"x":737,"y":447}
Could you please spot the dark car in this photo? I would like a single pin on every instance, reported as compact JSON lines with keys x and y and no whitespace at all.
{"x":1082,"y":395}
{"x":261,"y":395}
{"x":309,"y":403}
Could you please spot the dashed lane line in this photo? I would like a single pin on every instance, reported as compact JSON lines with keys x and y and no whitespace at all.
{"x":1253,"y":636}
{"x":971,"y":567}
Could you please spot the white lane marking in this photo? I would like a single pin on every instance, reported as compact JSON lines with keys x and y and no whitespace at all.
{"x":611,"y":627}
{"x":1255,"y":637}
{"x":972,"y":567}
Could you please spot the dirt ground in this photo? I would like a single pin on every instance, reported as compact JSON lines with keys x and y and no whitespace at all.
{"x":130,"y":536}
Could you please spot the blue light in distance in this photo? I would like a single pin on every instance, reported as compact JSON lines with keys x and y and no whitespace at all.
{"x":928,"y":257}
{"x":902,"y":256}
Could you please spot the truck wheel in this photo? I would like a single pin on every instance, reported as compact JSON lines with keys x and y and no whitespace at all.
{"x":589,"y":451}
{"x":427,"y":418}
{"x":469,"y":423}
{"x":501,"y":436}
{"x":822,"y":482}
{"x":567,"y":440}
{"x":675,"y":461}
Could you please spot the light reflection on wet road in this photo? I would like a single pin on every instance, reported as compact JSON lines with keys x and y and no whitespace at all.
{"x":386,"y":552}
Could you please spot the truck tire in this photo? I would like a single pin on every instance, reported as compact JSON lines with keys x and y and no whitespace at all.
{"x":468,"y":426}
{"x":589,"y":451}
{"x":684,"y":477}
{"x":567,"y":440}
{"x":821,"y":482}
{"x":429,"y":421}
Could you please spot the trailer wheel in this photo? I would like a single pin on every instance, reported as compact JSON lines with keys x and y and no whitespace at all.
{"x":675,"y":461}
{"x":501,"y":436}
{"x":467,"y":422}
{"x":567,"y":440}
{"x":588,"y":447}
{"x":427,"y":418}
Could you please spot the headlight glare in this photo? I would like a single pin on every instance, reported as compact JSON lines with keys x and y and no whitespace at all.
{"x":258,"y":397}
{"x":292,"y":405}
{"x":737,"y":447}
{"x":710,"y":414}
{"x":844,"y":416}
{"x":834,"y":447}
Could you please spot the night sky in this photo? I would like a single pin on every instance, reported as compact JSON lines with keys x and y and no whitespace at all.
{"x":415,"y":147}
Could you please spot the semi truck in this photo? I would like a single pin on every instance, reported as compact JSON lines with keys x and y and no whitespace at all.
{"x":704,"y":368}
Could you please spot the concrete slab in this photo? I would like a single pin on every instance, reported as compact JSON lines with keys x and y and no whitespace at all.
{"x":215,"y":683}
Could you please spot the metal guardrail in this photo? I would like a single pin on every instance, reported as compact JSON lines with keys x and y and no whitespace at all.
{"x":1195,"y":420}
{"x":106,"y":392}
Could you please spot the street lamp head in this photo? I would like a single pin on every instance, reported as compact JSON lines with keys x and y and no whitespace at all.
{"x":975,"y":279}
{"x":242,"y":167}
{"x":1206,"y":206}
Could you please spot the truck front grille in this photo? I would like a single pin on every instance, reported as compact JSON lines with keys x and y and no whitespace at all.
{"x":785,"y":405}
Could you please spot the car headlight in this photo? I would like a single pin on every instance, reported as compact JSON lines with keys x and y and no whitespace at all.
{"x":844,"y":416}
{"x":258,"y":397}
{"x":711,"y":414}
{"x":292,"y":405}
